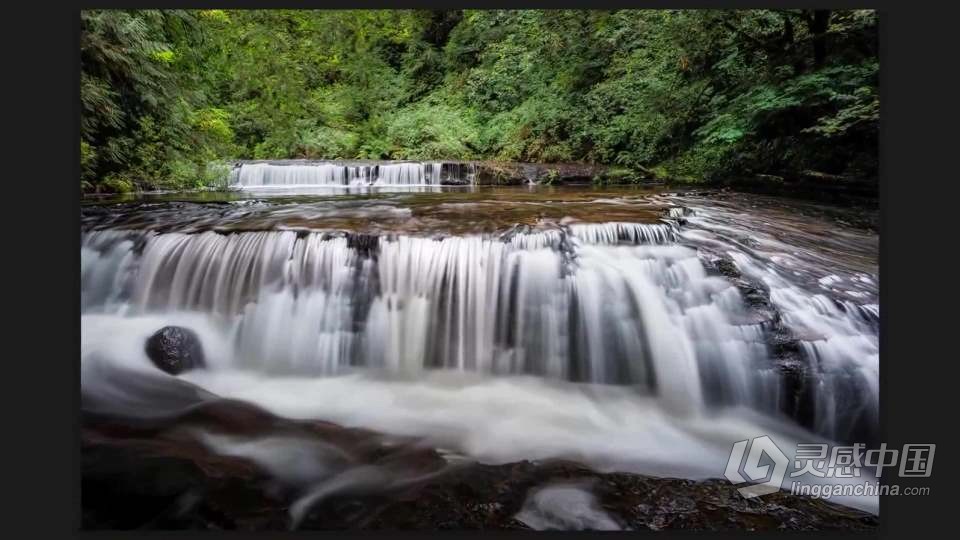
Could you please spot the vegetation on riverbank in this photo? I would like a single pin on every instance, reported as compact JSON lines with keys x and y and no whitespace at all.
{"x":168,"y":96}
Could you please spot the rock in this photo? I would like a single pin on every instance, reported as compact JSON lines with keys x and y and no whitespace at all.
{"x":366,"y":245}
{"x":514,"y":173}
{"x":811,"y":185}
{"x":491,"y":496}
{"x":824,"y":177}
{"x":727,"y":268}
{"x":495,"y":173}
{"x":770,"y":178}
{"x":797,"y":378}
{"x":133,"y":484}
{"x":160,"y":476}
{"x":175,"y":349}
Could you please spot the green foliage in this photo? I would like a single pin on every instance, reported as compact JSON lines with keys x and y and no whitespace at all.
{"x":431,"y":131}
{"x":215,"y":15}
{"x":551,"y":177}
{"x":215,"y":174}
{"x":183,"y":174}
{"x":326,"y":142}
{"x":620,"y":175}
{"x":145,"y":121}
{"x":700,"y":95}
{"x":534,"y":131}
{"x":117,"y":184}
{"x":88,"y":161}
{"x":703,"y":161}
{"x":214,"y":123}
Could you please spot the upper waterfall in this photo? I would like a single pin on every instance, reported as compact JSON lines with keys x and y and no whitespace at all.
{"x":342,"y":173}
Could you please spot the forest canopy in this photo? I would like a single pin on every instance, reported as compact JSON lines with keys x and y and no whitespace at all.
{"x":169,"y":97}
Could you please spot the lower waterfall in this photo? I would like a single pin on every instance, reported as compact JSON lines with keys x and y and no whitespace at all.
{"x":503,"y":345}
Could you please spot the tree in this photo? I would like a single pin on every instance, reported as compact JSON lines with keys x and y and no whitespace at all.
{"x":701,"y":95}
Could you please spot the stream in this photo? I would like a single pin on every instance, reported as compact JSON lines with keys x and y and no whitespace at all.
{"x":636,"y":329}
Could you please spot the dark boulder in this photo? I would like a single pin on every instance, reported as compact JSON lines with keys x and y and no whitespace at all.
{"x":175,"y":349}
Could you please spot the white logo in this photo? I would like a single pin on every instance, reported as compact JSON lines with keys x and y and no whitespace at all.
{"x":763,"y":480}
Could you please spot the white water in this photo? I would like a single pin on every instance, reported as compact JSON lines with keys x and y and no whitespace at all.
{"x":565,"y":507}
{"x":332,"y":174}
{"x":831,"y":309}
{"x":606,"y":343}
{"x":491,"y":419}
{"x":310,"y":304}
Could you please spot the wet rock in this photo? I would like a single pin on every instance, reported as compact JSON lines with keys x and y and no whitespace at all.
{"x":754,"y":295}
{"x":123,"y":489}
{"x":727,"y":268}
{"x":491,"y":173}
{"x":796,"y":377}
{"x":456,"y":173}
{"x":175,"y":349}
{"x":658,"y":504}
{"x":510,"y":173}
{"x":565,"y":506}
{"x":491,"y":496}
{"x":811,"y":185}
{"x":130,"y":484}
{"x":160,"y":476}
{"x":367,"y":245}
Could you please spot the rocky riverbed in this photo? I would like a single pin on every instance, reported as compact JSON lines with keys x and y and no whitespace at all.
{"x":167,"y":474}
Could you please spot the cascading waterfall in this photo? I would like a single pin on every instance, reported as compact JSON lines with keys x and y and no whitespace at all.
{"x":840,"y":341}
{"x":333,"y":174}
{"x":604,"y":303}
{"x":624,"y":344}
{"x":834,"y":318}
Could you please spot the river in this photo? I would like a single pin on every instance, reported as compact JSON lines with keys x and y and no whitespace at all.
{"x":639,"y":329}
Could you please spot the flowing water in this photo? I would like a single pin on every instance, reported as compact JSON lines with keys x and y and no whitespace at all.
{"x":344,"y":174}
{"x":631,"y":329}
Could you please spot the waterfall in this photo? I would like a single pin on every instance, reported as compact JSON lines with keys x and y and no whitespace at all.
{"x":840,"y":341}
{"x":577,"y":304}
{"x":333,"y":174}
{"x":615,"y":303}
{"x":637,"y":344}
{"x":834,"y":318}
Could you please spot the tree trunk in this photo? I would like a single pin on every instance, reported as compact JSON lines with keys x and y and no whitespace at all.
{"x":819,"y":24}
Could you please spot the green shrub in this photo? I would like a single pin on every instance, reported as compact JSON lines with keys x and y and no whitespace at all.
{"x":431,"y":131}
{"x":216,"y":174}
{"x":117,"y":184}
{"x":88,"y":162}
{"x":551,"y":177}
{"x":181,"y":174}
{"x":326,"y":143}
{"x":620,"y":175}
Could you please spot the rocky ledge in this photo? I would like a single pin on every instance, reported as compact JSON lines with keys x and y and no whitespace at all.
{"x":167,"y":474}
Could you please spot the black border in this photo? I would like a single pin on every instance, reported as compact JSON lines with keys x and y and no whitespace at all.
{"x":918,"y":192}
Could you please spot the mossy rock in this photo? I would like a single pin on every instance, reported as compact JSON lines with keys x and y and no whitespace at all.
{"x":498,"y":173}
